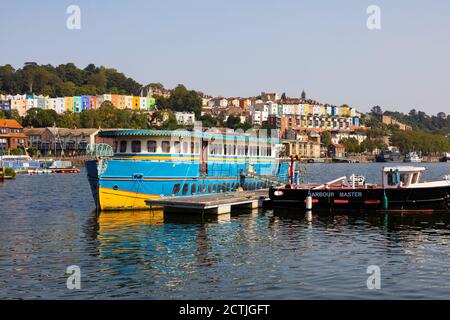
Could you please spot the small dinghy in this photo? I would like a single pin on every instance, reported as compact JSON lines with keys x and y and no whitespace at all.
{"x":400,"y":190}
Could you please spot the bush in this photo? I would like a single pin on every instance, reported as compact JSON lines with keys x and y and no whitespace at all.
{"x":9,"y":172}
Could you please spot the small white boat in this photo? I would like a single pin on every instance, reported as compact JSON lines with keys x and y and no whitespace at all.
{"x":412,"y":157}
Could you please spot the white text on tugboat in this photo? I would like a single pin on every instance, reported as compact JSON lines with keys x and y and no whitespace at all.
{"x":331,"y":194}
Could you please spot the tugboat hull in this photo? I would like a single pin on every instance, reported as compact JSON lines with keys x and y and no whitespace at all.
{"x":411,"y":199}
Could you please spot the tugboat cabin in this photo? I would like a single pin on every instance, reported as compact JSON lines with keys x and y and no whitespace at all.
{"x":401,"y":177}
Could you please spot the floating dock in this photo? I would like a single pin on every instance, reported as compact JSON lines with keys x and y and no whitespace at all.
{"x":212,"y":204}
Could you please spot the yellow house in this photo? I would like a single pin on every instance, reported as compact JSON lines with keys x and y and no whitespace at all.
{"x":68,"y":104}
{"x":346,"y":111}
{"x":136,"y":103}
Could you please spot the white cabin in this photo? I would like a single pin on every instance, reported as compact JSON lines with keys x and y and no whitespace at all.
{"x":408,"y":177}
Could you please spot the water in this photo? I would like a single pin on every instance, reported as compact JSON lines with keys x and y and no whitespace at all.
{"x":47,"y":224}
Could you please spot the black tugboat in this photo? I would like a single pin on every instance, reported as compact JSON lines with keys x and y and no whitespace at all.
{"x":400,"y":190}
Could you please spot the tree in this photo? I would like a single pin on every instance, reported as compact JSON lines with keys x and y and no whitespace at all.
{"x":40,"y":118}
{"x":325,"y":138}
{"x":184,"y":100}
{"x":376,"y":111}
{"x":233,"y":122}
{"x":208,"y":121}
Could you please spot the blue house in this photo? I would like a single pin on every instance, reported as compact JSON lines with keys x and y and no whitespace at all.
{"x":85,"y":104}
{"x":5,"y":105}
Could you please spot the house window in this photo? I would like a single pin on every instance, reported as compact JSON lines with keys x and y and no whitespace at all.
{"x":136,"y":146}
{"x":123,"y":146}
{"x":165,"y":146}
{"x":151,"y":146}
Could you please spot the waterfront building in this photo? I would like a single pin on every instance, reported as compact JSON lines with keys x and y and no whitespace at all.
{"x":68,"y":104}
{"x":151,"y":102}
{"x":185,"y":118}
{"x":136,"y":103}
{"x":115,"y":100}
{"x":77,"y":104}
{"x":5,"y":105}
{"x":41,"y":102}
{"x":11,"y":135}
{"x":61,"y":141}
{"x":143,"y":103}
{"x":102,"y":98}
{"x":60,"y":105}
{"x":93,"y":102}
{"x":128,"y":102}
{"x":85,"y":104}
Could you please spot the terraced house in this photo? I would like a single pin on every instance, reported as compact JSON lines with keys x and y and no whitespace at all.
{"x":11,"y":135}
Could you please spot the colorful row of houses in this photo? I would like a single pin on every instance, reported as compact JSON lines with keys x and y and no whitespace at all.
{"x":23,"y":103}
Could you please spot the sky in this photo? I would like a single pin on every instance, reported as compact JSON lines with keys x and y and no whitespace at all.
{"x":243,"y":47}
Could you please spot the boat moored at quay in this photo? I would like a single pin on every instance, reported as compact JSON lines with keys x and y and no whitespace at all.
{"x":149,"y":164}
{"x":400,"y":191}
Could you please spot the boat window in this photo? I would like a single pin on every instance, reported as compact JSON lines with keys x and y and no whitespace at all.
{"x":210,"y":188}
{"x":269,"y":151}
{"x":211,"y":148}
{"x":123,"y":146}
{"x":230,"y":149}
{"x":193,"y":188}
{"x":185,"y":189}
{"x":185,"y":147}
{"x":192,"y":147}
{"x":257,"y":151}
{"x":415,"y":178}
{"x":202,"y":188}
{"x":228,"y":186}
{"x":151,"y":146}
{"x":246,"y":150}
{"x":404,"y":178}
{"x":176,"y":189}
{"x":390,"y":179}
{"x":135,"y":146}
{"x":116,"y":146}
{"x":165,"y":146}
{"x":177,"y":147}
{"x":219,"y":149}
{"x":225,"y":149}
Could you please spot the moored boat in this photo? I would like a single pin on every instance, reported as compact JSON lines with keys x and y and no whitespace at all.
{"x":446,"y":157}
{"x":388,"y":156}
{"x":149,"y":164}
{"x":412,"y":157}
{"x":399,"y":190}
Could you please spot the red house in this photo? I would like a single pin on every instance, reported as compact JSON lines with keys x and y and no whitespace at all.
{"x":11,"y":135}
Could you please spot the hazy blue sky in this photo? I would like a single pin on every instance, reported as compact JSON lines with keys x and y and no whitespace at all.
{"x":243,"y":47}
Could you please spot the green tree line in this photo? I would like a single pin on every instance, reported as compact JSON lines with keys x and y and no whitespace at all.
{"x":65,"y":80}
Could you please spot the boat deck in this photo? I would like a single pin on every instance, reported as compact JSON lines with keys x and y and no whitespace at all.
{"x":212,"y":204}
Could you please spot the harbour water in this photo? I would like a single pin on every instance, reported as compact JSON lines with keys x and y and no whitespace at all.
{"x":48,"y":223}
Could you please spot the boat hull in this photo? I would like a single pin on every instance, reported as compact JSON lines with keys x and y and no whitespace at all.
{"x":127,"y":184}
{"x":408,"y":199}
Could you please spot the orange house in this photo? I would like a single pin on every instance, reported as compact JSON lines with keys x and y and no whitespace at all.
{"x":115,"y":100}
{"x":93,"y":102}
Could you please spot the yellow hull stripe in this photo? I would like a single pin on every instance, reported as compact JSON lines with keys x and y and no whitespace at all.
{"x":110,"y":199}
{"x":162,"y":158}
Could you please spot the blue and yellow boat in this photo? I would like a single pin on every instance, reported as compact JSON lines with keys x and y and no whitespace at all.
{"x":149,"y":164}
